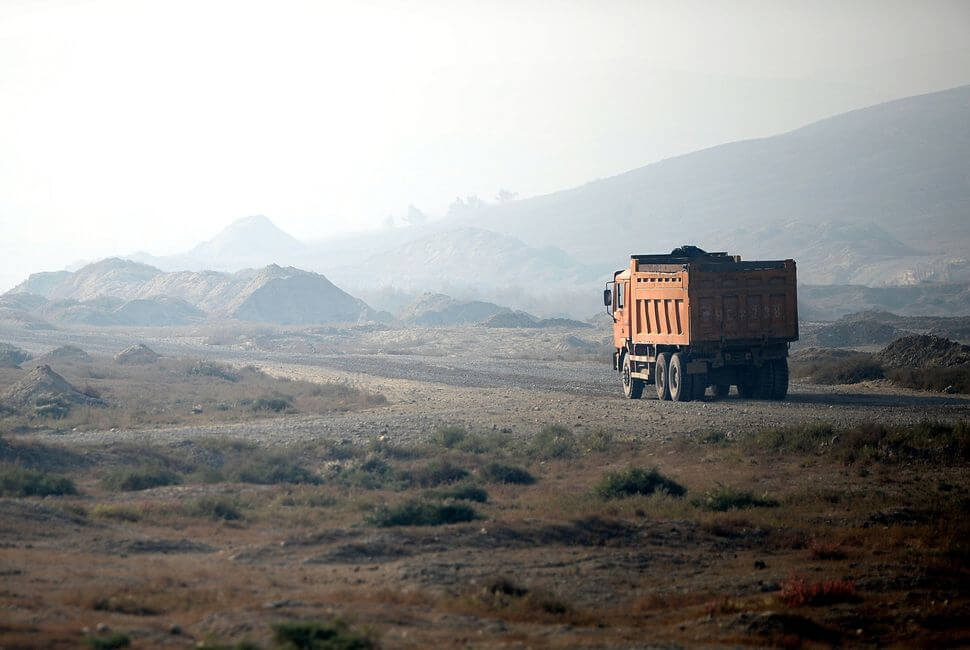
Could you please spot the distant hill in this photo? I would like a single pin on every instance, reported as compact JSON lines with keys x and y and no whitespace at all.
{"x":248,"y":242}
{"x":435,"y":309}
{"x":464,"y":257}
{"x":901,"y":165}
{"x":121,"y":292}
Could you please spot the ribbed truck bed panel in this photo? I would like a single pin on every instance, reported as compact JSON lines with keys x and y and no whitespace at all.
{"x":685,"y":304}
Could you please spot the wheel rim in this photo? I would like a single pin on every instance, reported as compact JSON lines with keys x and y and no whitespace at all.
{"x":626,"y":375}
{"x":674,"y":380}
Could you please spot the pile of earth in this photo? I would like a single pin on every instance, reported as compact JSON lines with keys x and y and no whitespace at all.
{"x":139,"y":354}
{"x":65,"y":353}
{"x":816,"y":355}
{"x":848,"y":332}
{"x":924,"y":351}
{"x":44,"y":392}
{"x":11,"y":356}
{"x":525,"y":319}
{"x":439,"y":310}
{"x":575,"y":344}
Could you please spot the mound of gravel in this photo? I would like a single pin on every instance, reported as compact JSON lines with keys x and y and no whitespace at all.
{"x":11,"y":356}
{"x":511,"y":319}
{"x":815,"y":354}
{"x":65,"y":353}
{"x":924,"y":351}
{"x":847,"y":333}
{"x":44,"y":392}
{"x":575,"y":344}
{"x":139,"y":354}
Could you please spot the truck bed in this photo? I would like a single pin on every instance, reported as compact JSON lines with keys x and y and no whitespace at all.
{"x":714,"y":299}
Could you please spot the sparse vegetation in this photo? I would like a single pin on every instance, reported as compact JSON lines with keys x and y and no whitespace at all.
{"x":216,"y":508}
{"x":798,"y":592}
{"x":421,"y":513}
{"x":843,"y":370}
{"x":141,"y":478}
{"x":437,"y":472}
{"x":723,"y":498}
{"x":336,"y":635}
{"x":463,"y":493}
{"x":553,"y":441}
{"x":273,"y":469}
{"x":502,"y":473}
{"x":635,"y":480}
{"x":110,"y":642}
{"x":450,"y":436}
{"x":955,"y":379}
{"x":16,"y":481}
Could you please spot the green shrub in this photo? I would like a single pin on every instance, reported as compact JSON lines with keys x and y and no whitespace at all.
{"x":437,"y":473}
{"x":501,"y":473}
{"x":723,"y":498}
{"x":635,"y":480}
{"x":272,"y":470}
{"x":306,"y":635}
{"x":481,"y":443}
{"x":553,"y":441}
{"x":275,"y":404}
{"x":116,"y":640}
{"x":953,"y":379}
{"x":15,"y":481}
{"x":213,"y":369}
{"x":217,"y":508}
{"x":598,"y":441}
{"x":450,"y":436}
{"x":800,"y":438}
{"x":421,"y":513}
{"x":142,"y":478}
{"x":463,"y":493}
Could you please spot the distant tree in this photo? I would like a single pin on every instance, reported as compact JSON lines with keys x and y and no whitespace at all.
{"x":457,"y":207}
{"x":414,"y":216}
{"x":473,"y":202}
{"x":504,"y":196}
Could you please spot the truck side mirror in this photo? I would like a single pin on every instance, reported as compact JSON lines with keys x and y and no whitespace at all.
{"x":607,"y":298}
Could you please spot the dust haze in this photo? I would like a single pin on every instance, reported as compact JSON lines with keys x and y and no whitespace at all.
{"x":384,"y":325}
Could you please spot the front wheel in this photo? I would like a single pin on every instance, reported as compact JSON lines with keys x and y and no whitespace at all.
{"x":632,"y":386}
{"x":661,"y":377}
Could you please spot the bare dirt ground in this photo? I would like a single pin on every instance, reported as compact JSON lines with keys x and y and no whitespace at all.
{"x":550,"y":564}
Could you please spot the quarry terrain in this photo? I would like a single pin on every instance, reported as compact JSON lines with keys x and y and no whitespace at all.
{"x":466,"y":486}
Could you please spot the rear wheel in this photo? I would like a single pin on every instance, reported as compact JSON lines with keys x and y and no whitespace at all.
{"x":766,"y":381}
{"x":660,"y":374}
{"x":681,"y":384}
{"x":748,"y":382}
{"x":632,"y":386}
{"x":779,"y":389}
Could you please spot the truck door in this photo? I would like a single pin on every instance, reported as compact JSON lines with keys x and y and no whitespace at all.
{"x":621,"y":332}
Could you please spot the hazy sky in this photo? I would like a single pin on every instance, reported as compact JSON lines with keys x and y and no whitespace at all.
{"x":129,"y":125}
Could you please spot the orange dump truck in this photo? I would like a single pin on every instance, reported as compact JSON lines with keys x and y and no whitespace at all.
{"x":692,"y":320}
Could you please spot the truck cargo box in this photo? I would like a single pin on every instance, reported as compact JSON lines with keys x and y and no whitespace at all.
{"x":726,"y":319}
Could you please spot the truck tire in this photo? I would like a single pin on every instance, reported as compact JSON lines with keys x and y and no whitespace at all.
{"x":632,"y":387}
{"x":748,"y":381}
{"x":681,"y":384}
{"x":660,"y":377}
{"x":721,"y":390}
{"x":766,"y":381}
{"x":779,"y":389}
